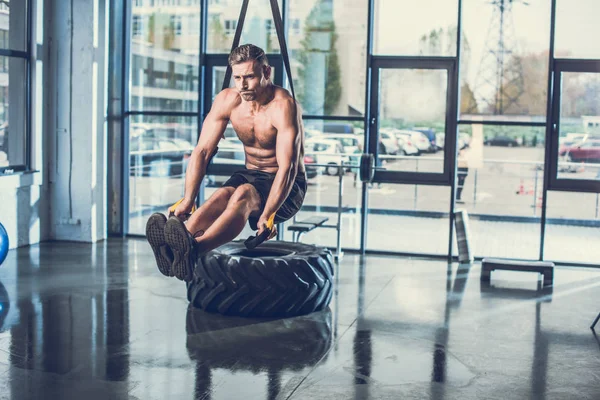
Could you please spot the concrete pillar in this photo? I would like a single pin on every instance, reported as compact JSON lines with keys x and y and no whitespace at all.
{"x":75,"y":108}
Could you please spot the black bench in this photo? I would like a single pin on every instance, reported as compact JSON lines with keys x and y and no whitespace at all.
{"x":545,"y":268}
{"x":300,"y":227}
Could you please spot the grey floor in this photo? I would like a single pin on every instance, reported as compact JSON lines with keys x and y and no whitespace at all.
{"x":100,"y":322}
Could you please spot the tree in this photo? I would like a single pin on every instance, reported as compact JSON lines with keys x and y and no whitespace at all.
{"x":318,"y":23}
{"x":334,"y":87}
{"x":531,"y":91}
{"x":216,"y":35}
{"x":468,"y":104}
{"x":441,"y":42}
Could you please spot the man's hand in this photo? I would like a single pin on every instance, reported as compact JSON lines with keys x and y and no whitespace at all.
{"x":183,"y":209}
{"x":267,"y":222}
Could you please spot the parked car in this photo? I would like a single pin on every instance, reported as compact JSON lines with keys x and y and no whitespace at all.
{"x":338,"y":127}
{"x":351,"y":144}
{"x":501,"y":141}
{"x":588,"y":151}
{"x":416,"y":139}
{"x":390,"y":141}
{"x":311,"y":170}
{"x":431,"y":138}
{"x":407,"y":148}
{"x":440,"y":140}
{"x":150,"y":156}
{"x":326,"y":151}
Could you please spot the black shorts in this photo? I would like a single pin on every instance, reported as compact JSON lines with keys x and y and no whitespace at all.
{"x":263,"y":181}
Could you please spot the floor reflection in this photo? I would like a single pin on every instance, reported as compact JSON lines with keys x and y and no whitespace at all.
{"x":4,"y":305}
{"x":269,"y":346}
{"x":96,"y":322}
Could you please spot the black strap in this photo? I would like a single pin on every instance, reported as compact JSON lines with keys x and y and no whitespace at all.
{"x":282,"y":43}
{"x":280,"y":37}
{"x":236,"y":40}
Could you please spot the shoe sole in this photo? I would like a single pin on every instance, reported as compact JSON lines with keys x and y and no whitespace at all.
{"x":179,"y":240}
{"x":155,"y":234}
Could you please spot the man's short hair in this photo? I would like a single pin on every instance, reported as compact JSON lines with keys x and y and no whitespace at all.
{"x":247,"y":52}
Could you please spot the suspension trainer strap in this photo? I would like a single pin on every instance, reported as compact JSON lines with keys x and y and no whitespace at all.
{"x":280,"y":37}
{"x":236,"y":40}
{"x":282,"y":43}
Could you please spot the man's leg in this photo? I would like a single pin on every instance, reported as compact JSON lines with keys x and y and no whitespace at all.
{"x":209,"y":211}
{"x":200,"y":220}
{"x":244,"y":201}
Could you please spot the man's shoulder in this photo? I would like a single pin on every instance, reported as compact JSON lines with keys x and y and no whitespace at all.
{"x":282,"y":99}
{"x":230,"y":95}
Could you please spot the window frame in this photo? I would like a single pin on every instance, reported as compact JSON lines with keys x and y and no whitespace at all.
{"x":566,"y":184}
{"x":26,"y":56}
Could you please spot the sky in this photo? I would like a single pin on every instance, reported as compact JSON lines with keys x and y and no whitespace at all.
{"x":400,"y":25}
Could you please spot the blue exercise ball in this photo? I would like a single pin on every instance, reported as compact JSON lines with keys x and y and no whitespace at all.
{"x":3,"y":244}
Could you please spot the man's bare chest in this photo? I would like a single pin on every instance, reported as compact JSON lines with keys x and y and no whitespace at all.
{"x":254,"y":130}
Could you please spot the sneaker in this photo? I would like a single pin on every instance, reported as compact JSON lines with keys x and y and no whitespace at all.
{"x":183,"y":245}
{"x":155,"y":234}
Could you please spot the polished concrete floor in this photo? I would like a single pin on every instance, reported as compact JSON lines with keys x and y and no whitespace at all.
{"x":91,"y":322}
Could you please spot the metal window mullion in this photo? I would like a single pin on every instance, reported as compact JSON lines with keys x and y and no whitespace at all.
{"x":452,"y":161}
{"x":333,"y":118}
{"x":18,"y":53}
{"x":548,"y":157}
{"x":501,"y":123}
{"x":28,"y":87}
{"x":125,"y":78}
{"x":162,"y":113}
{"x":366,"y":124}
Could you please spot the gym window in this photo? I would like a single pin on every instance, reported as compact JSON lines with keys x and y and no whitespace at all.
{"x":14,"y":86}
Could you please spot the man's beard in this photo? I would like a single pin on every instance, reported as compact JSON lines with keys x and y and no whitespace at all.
{"x":248,"y":96}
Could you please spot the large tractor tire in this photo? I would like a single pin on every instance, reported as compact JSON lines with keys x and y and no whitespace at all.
{"x":277,"y":279}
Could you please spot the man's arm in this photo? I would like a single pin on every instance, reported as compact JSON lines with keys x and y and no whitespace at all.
{"x":287,"y":151}
{"x":212,"y":131}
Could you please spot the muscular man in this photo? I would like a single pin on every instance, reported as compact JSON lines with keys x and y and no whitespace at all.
{"x":269,"y":125}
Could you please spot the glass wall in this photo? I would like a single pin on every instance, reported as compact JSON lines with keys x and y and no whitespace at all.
{"x":576,"y":25}
{"x":159,"y":150}
{"x":13,"y":86}
{"x":164,"y":79}
{"x":327,"y":44}
{"x":412,"y":119}
{"x":427,"y":30}
{"x":504,"y":60}
{"x":165,"y":46}
{"x":497,"y":83}
{"x":13,"y":24}
{"x":579,"y":126}
{"x":258,"y":28}
{"x":572,"y":233}
{"x":408,"y":218}
{"x":500,"y":183}
{"x":332,"y":155}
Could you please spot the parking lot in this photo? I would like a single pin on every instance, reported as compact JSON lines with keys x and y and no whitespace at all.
{"x":509,"y":183}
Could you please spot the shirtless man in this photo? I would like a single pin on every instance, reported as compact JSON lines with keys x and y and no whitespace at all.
{"x":273,"y":181}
